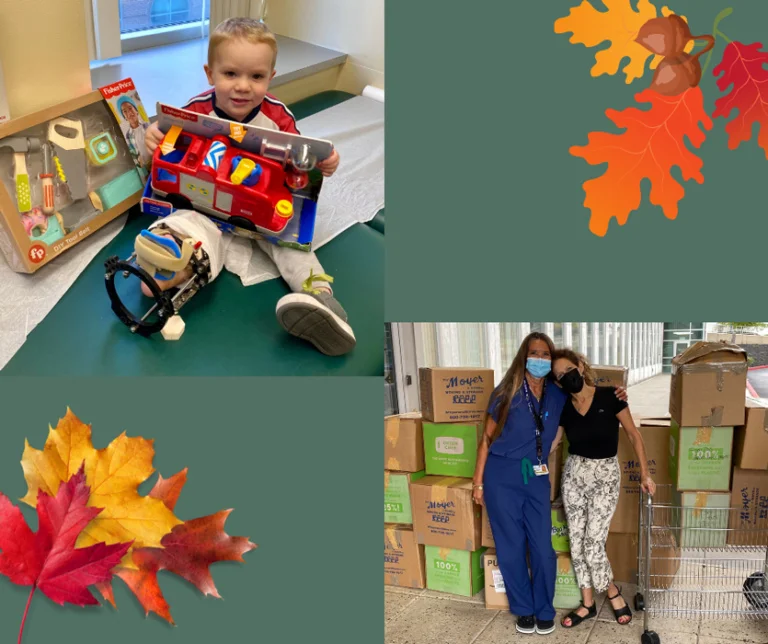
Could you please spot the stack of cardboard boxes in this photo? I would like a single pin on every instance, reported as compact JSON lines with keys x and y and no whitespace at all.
{"x":428,"y":501}
{"x":437,"y":537}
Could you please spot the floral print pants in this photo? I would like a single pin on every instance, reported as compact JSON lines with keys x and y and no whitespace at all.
{"x":590,"y":492}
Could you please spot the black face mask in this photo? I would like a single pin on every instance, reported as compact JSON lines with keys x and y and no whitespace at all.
{"x":572,"y":382}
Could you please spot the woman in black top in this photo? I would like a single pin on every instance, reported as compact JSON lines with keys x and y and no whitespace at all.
{"x":592,"y":478}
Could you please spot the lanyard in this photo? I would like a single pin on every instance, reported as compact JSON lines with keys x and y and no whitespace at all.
{"x":536,"y":417}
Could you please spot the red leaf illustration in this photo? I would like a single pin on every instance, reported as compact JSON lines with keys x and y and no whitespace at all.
{"x":743,"y":67}
{"x":48,"y":559}
{"x":188,"y":551}
{"x":651,"y":144}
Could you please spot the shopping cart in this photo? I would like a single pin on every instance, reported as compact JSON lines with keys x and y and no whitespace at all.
{"x":700,"y":561}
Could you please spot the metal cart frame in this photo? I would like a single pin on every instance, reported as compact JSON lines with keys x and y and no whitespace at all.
{"x":700,"y":561}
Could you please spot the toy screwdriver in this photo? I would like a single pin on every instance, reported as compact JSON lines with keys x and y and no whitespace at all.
{"x":47,"y":180}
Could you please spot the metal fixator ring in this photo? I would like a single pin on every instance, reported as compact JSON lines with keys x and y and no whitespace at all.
{"x":163,"y":300}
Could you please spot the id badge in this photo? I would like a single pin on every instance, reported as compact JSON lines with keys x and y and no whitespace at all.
{"x":540,"y":470}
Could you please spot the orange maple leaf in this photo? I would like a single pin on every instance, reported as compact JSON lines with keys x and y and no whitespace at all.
{"x":650,"y":146}
{"x":619,"y":25}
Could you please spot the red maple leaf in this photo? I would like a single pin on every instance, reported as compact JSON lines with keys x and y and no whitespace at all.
{"x":48,"y":560}
{"x":650,"y":145}
{"x":743,"y":67}
{"x":188,"y":551}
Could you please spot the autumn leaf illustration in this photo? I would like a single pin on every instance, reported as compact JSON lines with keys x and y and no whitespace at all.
{"x":620,"y":25}
{"x":743,"y":70}
{"x":113,"y":474}
{"x":651,"y":144}
{"x":187,"y":551}
{"x":48,"y":559}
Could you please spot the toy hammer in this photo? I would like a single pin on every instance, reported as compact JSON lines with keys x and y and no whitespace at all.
{"x":20,"y":146}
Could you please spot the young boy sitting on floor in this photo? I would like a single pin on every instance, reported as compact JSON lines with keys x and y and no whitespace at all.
{"x":241,"y":63}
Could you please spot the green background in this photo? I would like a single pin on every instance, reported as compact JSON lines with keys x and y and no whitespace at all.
{"x":483,"y":102}
{"x":292,"y":457}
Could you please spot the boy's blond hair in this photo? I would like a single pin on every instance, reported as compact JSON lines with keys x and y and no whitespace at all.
{"x":254,"y":31}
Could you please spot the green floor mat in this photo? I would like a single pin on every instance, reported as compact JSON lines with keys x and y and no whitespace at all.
{"x":231,"y":329}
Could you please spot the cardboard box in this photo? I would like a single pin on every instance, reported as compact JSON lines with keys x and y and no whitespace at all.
{"x":622,"y":552}
{"x":5,"y":114}
{"x":560,"y":540}
{"x":495,"y":593}
{"x":700,"y":458}
{"x":621,"y":548}
{"x":611,"y":376}
{"x":444,"y":514}
{"x":453,"y":395}
{"x":487,"y":535}
{"x":749,"y":517}
{"x":655,"y":433}
{"x":403,"y":443}
{"x":450,"y":449}
{"x":458,"y":572}
{"x":403,"y":558}
{"x":555,"y":472}
{"x":83,"y":138}
{"x":555,"y":466}
{"x":567,"y":592}
{"x":397,"y":496}
{"x":750,"y":440}
{"x":709,"y":382}
{"x":702,"y":518}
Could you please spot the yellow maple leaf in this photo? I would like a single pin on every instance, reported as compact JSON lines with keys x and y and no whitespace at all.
{"x":620,"y":25}
{"x":113,"y":475}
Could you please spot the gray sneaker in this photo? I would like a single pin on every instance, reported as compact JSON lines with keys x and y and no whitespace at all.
{"x":319,"y":319}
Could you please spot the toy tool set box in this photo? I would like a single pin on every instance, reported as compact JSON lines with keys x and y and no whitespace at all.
{"x":65,"y":172}
{"x":251,"y":181}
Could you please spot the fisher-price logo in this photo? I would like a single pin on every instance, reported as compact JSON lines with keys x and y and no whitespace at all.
{"x":449,"y":445}
{"x":170,"y":111}
{"x":36,"y":253}
{"x":117,"y":88}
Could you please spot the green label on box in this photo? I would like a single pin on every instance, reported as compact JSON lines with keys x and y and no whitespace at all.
{"x":458,"y":572}
{"x":450,"y":449}
{"x":560,"y":540}
{"x":706,"y":454}
{"x":703,"y":518}
{"x":567,"y":592}
{"x":397,"y":500}
{"x":700,"y":457}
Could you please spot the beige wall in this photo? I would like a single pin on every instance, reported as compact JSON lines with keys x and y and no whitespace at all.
{"x":354,"y":27}
{"x":740,"y":338}
{"x":44,"y":53}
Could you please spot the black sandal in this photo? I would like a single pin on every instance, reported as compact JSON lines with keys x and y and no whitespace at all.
{"x":577,"y":619}
{"x":621,"y":612}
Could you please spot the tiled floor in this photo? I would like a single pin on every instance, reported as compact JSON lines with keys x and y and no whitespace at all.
{"x":428,"y":617}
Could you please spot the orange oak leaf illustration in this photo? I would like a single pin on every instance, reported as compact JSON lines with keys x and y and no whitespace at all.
{"x":743,"y":68}
{"x":650,"y":146}
{"x":113,"y":475}
{"x":48,"y":559}
{"x":187,"y":551}
{"x":620,"y":25}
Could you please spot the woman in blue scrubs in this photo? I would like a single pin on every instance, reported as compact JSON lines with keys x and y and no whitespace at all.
{"x":512,"y":481}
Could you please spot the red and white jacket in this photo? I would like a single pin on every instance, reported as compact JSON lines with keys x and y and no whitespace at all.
{"x":271,"y":114}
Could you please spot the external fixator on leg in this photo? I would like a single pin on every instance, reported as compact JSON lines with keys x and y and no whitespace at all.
{"x":158,"y":258}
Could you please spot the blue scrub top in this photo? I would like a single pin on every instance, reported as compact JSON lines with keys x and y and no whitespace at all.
{"x":518,"y":437}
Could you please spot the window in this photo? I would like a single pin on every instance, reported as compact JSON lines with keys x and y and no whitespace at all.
{"x":142,"y":15}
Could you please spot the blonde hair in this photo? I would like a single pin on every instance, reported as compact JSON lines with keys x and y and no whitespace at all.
{"x":578,"y":360}
{"x":254,"y":31}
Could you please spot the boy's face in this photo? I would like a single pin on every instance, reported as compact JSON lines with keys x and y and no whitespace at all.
{"x":240,"y":76}
{"x":131,"y":115}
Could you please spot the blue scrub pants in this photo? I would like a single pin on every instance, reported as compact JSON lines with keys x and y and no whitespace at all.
{"x":521,"y":519}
